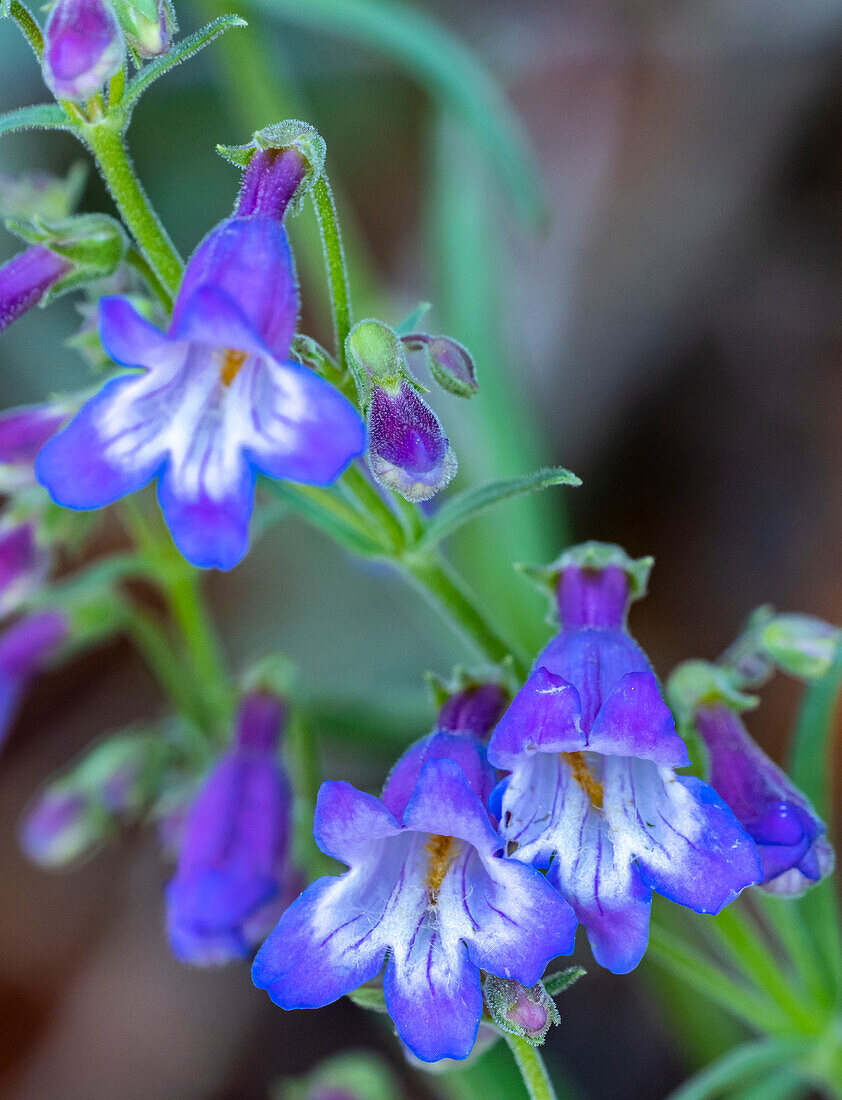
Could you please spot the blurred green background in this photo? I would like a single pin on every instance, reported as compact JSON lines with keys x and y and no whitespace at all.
{"x":671,"y":330}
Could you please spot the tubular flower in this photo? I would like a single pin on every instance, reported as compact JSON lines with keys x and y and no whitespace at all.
{"x":593,"y":794}
{"x":24,"y":564}
{"x":790,"y":836}
{"x":25,"y":648}
{"x":217,"y":400}
{"x":83,"y":47}
{"x":427,"y":891}
{"x":233,"y":867}
{"x":25,"y":280}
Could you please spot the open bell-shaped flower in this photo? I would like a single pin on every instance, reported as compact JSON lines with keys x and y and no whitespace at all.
{"x":217,"y":399}
{"x":428,"y":892}
{"x":593,"y":794}
{"x":233,"y":876}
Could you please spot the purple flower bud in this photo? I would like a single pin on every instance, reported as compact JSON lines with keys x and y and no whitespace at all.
{"x":525,"y":1012}
{"x":474,"y":710}
{"x":407,"y":448}
{"x":270,"y":182}
{"x":591,"y":598}
{"x":57,"y":828}
{"x":449,"y":361}
{"x":790,"y":837}
{"x":83,"y":47}
{"x":23,"y":565}
{"x":26,"y":279}
{"x":232,"y":875}
{"x":25,"y":648}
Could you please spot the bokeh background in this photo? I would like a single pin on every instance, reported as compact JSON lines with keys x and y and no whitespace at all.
{"x":673,"y":333}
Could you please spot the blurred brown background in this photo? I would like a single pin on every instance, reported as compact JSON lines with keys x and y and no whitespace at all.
{"x":677,"y":335}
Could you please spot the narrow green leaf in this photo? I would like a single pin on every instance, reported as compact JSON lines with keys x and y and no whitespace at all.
{"x":369,"y":997}
{"x":739,"y":1065}
{"x":325,"y":509}
{"x":779,"y":1084}
{"x":40,"y":116}
{"x":563,"y":979}
{"x":811,"y":762}
{"x":463,"y":507}
{"x":181,"y":51}
{"x":445,"y":67}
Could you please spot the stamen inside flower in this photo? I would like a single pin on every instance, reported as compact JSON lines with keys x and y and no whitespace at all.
{"x":584,"y":777}
{"x":441,"y":851}
{"x":232,"y":361}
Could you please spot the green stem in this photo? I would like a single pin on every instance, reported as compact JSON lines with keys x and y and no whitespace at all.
{"x":31,"y":30}
{"x":532,"y":1069}
{"x":340,"y":294}
{"x":373,"y":505}
{"x":139,"y":263}
{"x":434,"y":577}
{"x":116,"y":88}
{"x":106,"y":143}
{"x":163,"y":660}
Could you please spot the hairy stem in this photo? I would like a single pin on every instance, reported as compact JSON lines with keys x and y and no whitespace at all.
{"x":532,"y":1069}
{"x":340,"y":295}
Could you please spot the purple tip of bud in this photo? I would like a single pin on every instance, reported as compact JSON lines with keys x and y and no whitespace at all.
{"x":259,"y":722}
{"x":789,"y":835}
{"x":26,"y":279}
{"x":52,"y":832}
{"x":526,"y":1012}
{"x":83,"y":47}
{"x":407,"y":448}
{"x":593,"y":597}
{"x":23,"y":565}
{"x":270,"y":182}
{"x":474,"y":711}
{"x":24,"y":431}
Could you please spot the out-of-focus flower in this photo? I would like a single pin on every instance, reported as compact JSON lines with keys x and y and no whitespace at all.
{"x":428,"y":890}
{"x":408,"y":451}
{"x":25,"y":280}
{"x":216,"y":402}
{"x":24,"y":564}
{"x":83,"y":48}
{"x":32,"y":195}
{"x":801,"y":645}
{"x":592,"y":749}
{"x":233,"y":874}
{"x":25,"y":648}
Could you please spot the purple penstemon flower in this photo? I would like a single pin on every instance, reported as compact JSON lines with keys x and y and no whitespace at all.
{"x":218,"y":399}
{"x":407,"y":448}
{"x":26,"y":278}
{"x":24,"y":564}
{"x":25,"y":648}
{"x":83,"y":48}
{"x":23,"y":432}
{"x":233,"y":874}
{"x":790,"y":836}
{"x":593,"y":793}
{"x":428,"y":892}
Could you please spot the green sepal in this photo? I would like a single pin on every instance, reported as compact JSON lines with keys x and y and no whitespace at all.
{"x":292,"y":133}
{"x":310,"y":353}
{"x":502,"y":995}
{"x":148,"y":9}
{"x":695,"y":684}
{"x":274,"y":674}
{"x":465,"y":506}
{"x":593,"y":556}
{"x":94,"y":244}
{"x":370,"y":997}
{"x":375,"y":356}
{"x":181,"y":51}
{"x":464,"y":679}
{"x":38,"y":195}
{"x":40,"y":116}
{"x":801,"y":645}
{"x":557,"y":983}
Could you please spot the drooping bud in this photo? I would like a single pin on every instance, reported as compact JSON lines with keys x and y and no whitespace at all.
{"x":528,"y":1013}
{"x":59,"y":828}
{"x":801,"y":645}
{"x":281,"y":162}
{"x":474,"y":710}
{"x":450,"y":362}
{"x":83,"y":48}
{"x":147,"y":24}
{"x":25,"y":648}
{"x":408,"y":451}
{"x":24,"y":564}
{"x":27,"y":279}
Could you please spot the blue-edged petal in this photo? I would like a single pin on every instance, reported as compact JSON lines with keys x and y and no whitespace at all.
{"x":444,"y":804}
{"x":113,"y":446}
{"x":433,"y":994}
{"x":348,"y":820}
{"x":300,"y":427}
{"x":210,"y":316}
{"x":128,"y":337}
{"x":543,"y":717}
{"x":466,"y":751}
{"x":688,"y":844}
{"x":634,"y":720}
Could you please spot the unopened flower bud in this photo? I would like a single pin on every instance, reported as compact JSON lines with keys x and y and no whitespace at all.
{"x":41,"y":195}
{"x":83,"y":48}
{"x":801,"y":644}
{"x":475,"y":709}
{"x":148,"y":26}
{"x":528,"y":1013}
{"x":450,"y":362}
{"x":59,"y":827}
{"x":281,"y":163}
{"x":27,"y":279}
{"x":408,"y":451}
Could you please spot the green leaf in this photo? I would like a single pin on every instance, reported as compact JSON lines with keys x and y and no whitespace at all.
{"x":445,"y":67}
{"x":462,"y":508}
{"x":325,"y":509}
{"x":181,"y":51}
{"x":740,"y":1065}
{"x":779,"y":1084}
{"x":370,"y":997}
{"x":562,"y":979}
{"x":40,"y":116}
{"x":811,"y":762}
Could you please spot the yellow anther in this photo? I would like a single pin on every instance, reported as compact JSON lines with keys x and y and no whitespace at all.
{"x":440,"y":851}
{"x":231,"y":363}
{"x":584,"y":777}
